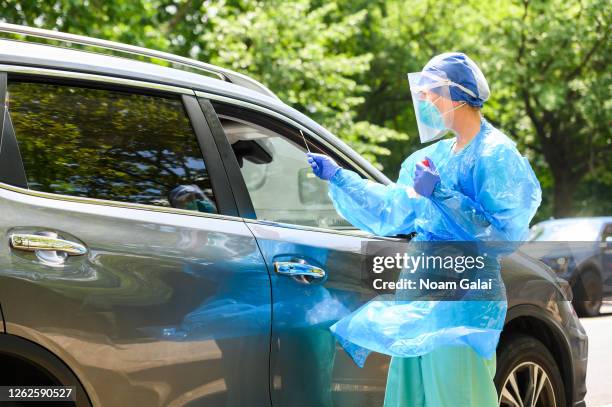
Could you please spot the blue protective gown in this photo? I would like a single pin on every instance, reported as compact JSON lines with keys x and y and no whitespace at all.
{"x":443,"y":351}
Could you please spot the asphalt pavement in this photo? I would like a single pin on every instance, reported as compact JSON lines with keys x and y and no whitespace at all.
{"x":599,"y":370}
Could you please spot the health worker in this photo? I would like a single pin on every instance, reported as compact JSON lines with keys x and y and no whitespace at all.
{"x":474,"y":186}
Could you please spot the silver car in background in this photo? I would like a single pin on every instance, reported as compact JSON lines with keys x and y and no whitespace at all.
{"x":582,"y":256}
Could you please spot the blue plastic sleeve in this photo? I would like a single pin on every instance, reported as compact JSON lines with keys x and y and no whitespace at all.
{"x":383,"y":210}
{"x":507,"y":200}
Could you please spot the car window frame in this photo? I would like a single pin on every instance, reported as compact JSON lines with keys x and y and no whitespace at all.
{"x":241,"y":193}
{"x":11,"y":165}
{"x":222,"y":192}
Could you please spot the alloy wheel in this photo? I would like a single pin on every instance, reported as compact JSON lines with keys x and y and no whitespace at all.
{"x":527,"y":385}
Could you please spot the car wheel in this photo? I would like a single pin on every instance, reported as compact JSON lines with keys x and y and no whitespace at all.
{"x":527,"y":374}
{"x":587,"y":294}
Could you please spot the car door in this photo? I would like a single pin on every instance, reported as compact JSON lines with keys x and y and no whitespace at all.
{"x":301,"y":237}
{"x":144,"y":281}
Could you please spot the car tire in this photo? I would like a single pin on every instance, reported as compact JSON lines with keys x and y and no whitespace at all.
{"x":524,"y":363}
{"x":587,"y":294}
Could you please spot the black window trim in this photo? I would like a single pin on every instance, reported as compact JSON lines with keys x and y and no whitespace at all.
{"x":221,"y":189}
{"x":11,"y":165}
{"x":3,"y":88}
{"x":241,"y":194}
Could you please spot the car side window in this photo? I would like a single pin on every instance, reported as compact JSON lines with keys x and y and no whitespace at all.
{"x":108,"y":144}
{"x":282,"y":187}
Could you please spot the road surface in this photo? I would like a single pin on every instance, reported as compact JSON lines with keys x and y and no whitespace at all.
{"x":599,"y":370}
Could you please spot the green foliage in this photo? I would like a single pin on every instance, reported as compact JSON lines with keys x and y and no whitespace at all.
{"x":344,"y":64}
{"x":547,"y":65}
{"x":556,"y":96}
{"x":300,"y":52}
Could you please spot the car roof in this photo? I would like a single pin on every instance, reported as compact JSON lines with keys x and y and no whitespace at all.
{"x":39,"y":55}
{"x":53,"y":57}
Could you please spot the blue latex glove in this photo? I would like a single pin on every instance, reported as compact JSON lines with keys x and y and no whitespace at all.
{"x":425,"y":178}
{"x":322,"y":166}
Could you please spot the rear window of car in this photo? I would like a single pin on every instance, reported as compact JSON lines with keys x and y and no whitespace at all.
{"x":108,"y":144}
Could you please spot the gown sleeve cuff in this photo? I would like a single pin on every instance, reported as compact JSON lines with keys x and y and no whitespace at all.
{"x":439,"y":191}
{"x":338,"y":177}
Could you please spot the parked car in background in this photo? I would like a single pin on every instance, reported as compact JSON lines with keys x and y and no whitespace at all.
{"x":582,"y":255}
{"x":164,"y":243}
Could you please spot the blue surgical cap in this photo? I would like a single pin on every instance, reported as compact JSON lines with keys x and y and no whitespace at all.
{"x":462,"y":71}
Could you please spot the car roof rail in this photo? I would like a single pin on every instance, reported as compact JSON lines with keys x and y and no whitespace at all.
{"x":133,"y":50}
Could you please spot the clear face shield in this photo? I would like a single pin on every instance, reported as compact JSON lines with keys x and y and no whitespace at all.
{"x":433,"y":106}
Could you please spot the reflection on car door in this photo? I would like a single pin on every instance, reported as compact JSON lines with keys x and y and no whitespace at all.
{"x":300,"y":233}
{"x":164,"y":306}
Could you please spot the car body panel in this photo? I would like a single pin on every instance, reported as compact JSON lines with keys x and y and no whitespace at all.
{"x":606,"y":259}
{"x":140,"y":318}
{"x":2,"y":326}
{"x":304,"y":311}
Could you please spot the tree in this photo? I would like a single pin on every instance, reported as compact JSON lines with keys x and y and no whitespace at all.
{"x":344,"y":64}
{"x":546,"y":63}
{"x":556,"y":93}
{"x":299,"y":50}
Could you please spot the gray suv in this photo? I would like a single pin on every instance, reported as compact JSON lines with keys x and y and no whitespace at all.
{"x":166,"y":244}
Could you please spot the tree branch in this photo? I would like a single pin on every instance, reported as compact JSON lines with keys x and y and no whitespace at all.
{"x":531,"y":112}
{"x":587,"y":57}
{"x":178,"y":17}
{"x":565,"y":42}
{"x":521,"y":50}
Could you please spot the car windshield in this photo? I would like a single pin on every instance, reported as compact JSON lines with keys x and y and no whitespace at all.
{"x":566,"y":231}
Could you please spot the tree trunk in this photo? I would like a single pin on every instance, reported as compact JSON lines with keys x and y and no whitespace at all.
{"x":564,"y":190}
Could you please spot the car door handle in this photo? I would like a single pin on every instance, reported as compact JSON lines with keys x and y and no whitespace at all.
{"x":295,"y":269}
{"x":32,"y":243}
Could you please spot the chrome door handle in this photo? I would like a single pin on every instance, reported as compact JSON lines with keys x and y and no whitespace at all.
{"x":294,"y":269}
{"x":32,"y":243}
